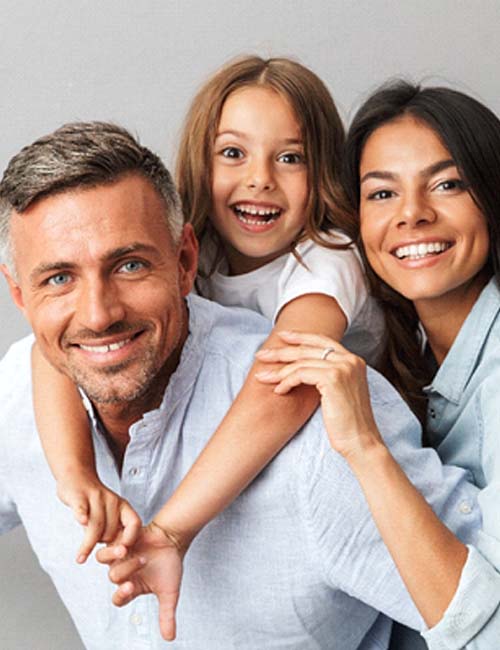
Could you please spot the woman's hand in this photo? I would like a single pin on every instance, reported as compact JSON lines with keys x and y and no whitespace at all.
{"x":340,"y":378}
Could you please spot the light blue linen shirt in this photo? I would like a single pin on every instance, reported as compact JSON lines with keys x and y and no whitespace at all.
{"x":295,"y":562}
{"x":463,"y":424}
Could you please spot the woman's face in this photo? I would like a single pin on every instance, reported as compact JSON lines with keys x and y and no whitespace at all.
{"x":423,"y":233}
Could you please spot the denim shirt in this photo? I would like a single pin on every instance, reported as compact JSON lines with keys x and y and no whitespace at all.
{"x":463,"y":425}
{"x":295,"y":562}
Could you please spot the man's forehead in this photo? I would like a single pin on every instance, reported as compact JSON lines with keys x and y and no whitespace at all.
{"x":93,"y":223}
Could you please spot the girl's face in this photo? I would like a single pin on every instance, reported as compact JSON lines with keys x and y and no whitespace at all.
{"x":423,"y":233}
{"x":259,"y":190}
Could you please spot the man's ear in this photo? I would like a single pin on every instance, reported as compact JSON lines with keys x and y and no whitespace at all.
{"x":188,"y":259}
{"x":14,"y":288}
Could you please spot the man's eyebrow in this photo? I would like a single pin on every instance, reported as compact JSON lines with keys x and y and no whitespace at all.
{"x":115,"y":254}
{"x":435,"y":168}
{"x":122,"y":251}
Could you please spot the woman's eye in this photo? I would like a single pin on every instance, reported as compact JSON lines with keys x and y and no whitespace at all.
{"x":291,"y":158}
{"x":132,"y":266}
{"x":380,"y":195}
{"x":232,"y":152}
{"x":451,"y":184}
{"x":59,"y":279}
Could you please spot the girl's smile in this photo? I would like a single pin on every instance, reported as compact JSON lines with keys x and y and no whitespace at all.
{"x":423,"y":233}
{"x":259,"y":188}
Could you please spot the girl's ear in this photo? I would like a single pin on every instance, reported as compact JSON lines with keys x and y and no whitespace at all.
{"x":188,"y":259}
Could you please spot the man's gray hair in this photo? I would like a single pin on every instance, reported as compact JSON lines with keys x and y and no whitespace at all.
{"x":80,"y":155}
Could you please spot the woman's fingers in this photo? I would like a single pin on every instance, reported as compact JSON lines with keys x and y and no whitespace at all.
{"x":311,"y":340}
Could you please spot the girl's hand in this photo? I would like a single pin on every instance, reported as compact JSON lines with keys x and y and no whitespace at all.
{"x":153,"y":565}
{"x":103,"y":513}
{"x":340,"y":378}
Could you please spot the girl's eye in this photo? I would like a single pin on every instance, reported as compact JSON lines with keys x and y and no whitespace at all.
{"x":380,"y":195}
{"x":291,"y":158}
{"x":232,"y":152}
{"x":132,"y":266}
{"x":59,"y":279}
{"x":451,"y":184}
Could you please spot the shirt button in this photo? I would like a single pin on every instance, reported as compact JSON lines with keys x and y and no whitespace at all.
{"x":432,"y":413}
{"x":465,"y":508}
{"x":134,"y":471}
{"x":136,"y":619}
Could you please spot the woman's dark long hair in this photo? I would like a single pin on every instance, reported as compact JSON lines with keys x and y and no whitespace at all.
{"x":471,"y":133}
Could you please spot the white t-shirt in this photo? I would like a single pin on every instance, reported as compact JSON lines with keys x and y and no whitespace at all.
{"x":333,"y":272}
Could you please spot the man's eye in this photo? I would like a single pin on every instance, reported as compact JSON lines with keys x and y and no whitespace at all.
{"x":232,"y":152}
{"x":291,"y":158}
{"x":132,"y":266}
{"x":59,"y":279}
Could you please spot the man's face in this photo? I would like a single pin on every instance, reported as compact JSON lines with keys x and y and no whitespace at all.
{"x":102,"y":285}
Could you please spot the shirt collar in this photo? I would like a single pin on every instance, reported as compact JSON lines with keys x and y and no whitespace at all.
{"x":181,"y":381}
{"x":461,"y":360}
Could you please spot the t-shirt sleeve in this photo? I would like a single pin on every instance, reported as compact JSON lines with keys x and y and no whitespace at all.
{"x":342,"y":534}
{"x":332,"y":272}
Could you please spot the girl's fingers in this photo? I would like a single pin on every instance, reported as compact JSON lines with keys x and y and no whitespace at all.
{"x":131,"y":524}
{"x":124,"y":570}
{"x":110,"y":554}
{"x":125,"y":593}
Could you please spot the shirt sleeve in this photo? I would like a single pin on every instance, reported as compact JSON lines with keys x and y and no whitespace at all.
{"x":342,"y":533}
{"x":333,"y":272}
{"x":472,"y":619}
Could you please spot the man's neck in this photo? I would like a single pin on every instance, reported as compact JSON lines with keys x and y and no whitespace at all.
{"x":117,"y":419}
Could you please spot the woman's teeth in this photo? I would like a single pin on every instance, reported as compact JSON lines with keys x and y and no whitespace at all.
{"x":418,"y":251}
{"x":251,"y":215}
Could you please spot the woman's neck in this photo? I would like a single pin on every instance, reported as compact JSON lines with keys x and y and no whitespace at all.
{"x":443,"y":316}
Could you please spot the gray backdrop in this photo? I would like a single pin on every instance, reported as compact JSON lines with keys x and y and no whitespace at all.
{"x":139,"y":63}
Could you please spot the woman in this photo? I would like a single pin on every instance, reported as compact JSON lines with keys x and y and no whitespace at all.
{"x":423,"y":171}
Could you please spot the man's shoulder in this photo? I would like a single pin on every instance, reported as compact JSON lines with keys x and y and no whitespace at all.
{"x":15,"y":367}
{"x":233,"y":331}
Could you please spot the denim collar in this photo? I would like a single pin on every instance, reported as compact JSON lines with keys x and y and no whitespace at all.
{"x":459,"y":364}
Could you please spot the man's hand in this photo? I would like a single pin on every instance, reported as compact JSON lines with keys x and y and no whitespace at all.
{"x":153,"y":565}
{"x":103,"y":513}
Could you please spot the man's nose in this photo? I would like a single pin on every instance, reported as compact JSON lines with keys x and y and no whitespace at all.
{"x":99,"y":306}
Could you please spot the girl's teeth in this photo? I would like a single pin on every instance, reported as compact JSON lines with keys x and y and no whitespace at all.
{"x":418,"y":251}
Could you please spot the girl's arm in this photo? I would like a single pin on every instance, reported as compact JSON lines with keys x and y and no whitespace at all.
{"x":65,"y":435}
{"x":258,"y":424}
{"x":428,"y":556}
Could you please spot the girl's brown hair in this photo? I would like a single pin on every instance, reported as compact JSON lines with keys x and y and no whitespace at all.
{"x":321,"y":127}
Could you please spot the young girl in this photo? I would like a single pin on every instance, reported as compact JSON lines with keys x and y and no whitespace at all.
{"x":423,"y":169}
{"x":258,"y":173}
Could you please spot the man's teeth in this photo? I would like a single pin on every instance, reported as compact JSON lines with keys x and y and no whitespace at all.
{"x":418,"y":251}
{"x":102,"y":349}
{"x":259,"y":215}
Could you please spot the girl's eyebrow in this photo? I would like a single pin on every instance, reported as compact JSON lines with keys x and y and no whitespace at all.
{"x":427,"y":172}
{"x":240,"y":134}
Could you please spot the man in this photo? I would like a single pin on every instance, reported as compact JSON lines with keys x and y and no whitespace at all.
{"x":96,"y":255}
